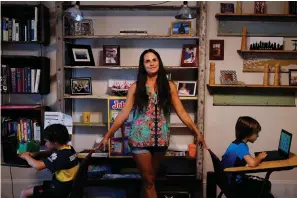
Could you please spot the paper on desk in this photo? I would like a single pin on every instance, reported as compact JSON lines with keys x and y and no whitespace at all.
{"x":58,"y":118}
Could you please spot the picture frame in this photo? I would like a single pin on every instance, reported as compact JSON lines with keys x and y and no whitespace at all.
{"x":186,"y":88}
{"x":228,"y":77}
{"x":80,"y":55}
{"x":227,"y":8}
{"x":87,"y":27}
{"x":260,"y":7}
{"x":292,"y":77}
{"x":190,"y":55}
{"x":216,"y":49}
{"x":111,"y":55}
{"x":181,"y":28}
{"x":81,"y":86}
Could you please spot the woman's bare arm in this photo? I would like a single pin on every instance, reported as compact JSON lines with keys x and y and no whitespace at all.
{"x":180,"y":110}
{"x":123,"y":115}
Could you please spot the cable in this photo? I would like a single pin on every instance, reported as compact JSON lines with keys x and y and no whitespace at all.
{"x":11,"y":182}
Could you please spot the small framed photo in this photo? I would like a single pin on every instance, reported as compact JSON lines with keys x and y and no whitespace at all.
{"x":293,"y":77}
{"x":111,"y":55}
{"x":81,"y":86}
{"x":227,"y":8}
{"x":216,"y":50}
{"x":190,"y":55}
{"x":260,"y":7}
{"x":181,"y":28}
{"x":168,"y":75}
{"x":87,"y":27}
{"x":228,"y":77}
{"x":186,"y":88}
{"x":80,"y":55}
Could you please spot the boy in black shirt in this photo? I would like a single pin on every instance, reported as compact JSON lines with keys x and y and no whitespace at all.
{"x":62,"y":162}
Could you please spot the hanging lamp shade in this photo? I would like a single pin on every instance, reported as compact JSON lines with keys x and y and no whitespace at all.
{"x":185,"y":12}
{"x":74,"y":12}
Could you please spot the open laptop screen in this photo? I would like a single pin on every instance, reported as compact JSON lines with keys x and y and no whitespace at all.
{"x":285,"y":142}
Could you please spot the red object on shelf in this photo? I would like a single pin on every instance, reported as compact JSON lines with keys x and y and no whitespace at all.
{"x":20,"y":106}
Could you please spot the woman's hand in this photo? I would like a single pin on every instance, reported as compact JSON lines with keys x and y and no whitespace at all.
{"x":102,"y":144}
{"x":201,"y":141}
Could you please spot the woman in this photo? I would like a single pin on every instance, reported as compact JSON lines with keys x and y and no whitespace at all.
{"x":151,"y":96}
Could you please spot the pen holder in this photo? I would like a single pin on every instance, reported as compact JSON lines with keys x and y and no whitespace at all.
{"x":192,"y":150}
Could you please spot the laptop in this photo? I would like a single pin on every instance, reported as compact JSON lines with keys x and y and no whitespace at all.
{"x":283,"y":151}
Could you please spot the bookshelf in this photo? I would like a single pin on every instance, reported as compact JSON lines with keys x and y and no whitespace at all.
{"x":67,"y":102}
{"x":24,"y":17}
{"x":23,"y":74}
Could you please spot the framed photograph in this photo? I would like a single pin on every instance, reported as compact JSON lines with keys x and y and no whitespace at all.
{"x":81,"y":86}
{"x":181,"y":28}
{"x":227,"y":8}
{"x":190,"y":55}
{"x":111,"y":55}
{"x":87,"y":27}
{"x":80,"y":55}
{"x":216,"y":50}
{"x":228,"y":77}
{"x":260,"y":7}
{"x":293,"y":77}
{"x":186,"y":88}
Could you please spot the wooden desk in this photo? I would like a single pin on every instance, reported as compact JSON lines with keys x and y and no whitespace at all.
{"x":269,"y":167}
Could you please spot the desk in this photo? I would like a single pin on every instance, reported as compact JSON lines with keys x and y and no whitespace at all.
{"x":268,"y":167}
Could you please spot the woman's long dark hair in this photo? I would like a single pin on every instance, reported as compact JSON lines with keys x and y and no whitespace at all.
{"x":162,"y":86}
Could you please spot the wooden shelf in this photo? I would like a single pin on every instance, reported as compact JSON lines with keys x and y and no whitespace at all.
{"x":91,"y":124}
{"x":126,"y":67}
{"x":134,"y":37}
{"x":267,"y":51}
{"x":103,"y":97}
{"x":251,"y":17}
{"x":128,"y":7}
{"x":219,"y":88}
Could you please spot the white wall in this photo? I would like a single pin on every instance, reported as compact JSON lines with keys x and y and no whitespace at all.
{"x":220,"y":120}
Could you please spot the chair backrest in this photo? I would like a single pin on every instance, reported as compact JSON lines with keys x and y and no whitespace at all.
{"x":221,"y":176}
{"x":81,"y":176}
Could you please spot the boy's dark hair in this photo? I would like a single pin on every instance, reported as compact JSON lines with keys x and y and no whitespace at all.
{"x":246,"y":126}
{"x":56,"y":133}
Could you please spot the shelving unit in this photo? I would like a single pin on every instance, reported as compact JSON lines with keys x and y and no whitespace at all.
{"x":267,"y":51}
{"x":134,"y":37}
{"x":65,"y":101}
{"x":278,"y":90}
{"x":283,"y":25}
{"x":17,"y":71}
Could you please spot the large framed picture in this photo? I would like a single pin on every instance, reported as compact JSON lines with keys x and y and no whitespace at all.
{"x":111,"y":55}
{"x":80,"y":55}
{"x":181,"y":28}
{"x":293,"y":77}
{"x":190,"y":55}
{"x":81,"y":86}
{"x":186,"y":88}
{"x":216,"y":50}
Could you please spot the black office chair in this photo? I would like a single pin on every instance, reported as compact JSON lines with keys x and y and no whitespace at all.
{"x":221,"y":177}
{"x":80,"y":178}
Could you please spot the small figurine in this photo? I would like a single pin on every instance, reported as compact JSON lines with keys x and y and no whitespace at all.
{"x":212,"y":73}
{"x":243,"y":40}
{"x":277,"y":75}
{"x":266,"y":75}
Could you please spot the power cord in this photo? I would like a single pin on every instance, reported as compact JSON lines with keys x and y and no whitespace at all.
{"x":11,"y":182}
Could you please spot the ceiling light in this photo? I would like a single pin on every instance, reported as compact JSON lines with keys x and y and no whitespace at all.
{"x":185,"y":12}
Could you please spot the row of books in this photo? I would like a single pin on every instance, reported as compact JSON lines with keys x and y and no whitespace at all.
{"x":293,"y":7}
{"x":19,"y":80}
{"x":24,"y":129}
{"x":20,"y":29}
